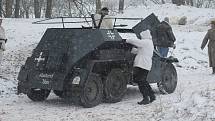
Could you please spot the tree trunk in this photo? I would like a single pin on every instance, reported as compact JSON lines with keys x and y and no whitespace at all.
{"x":98,"y":6}
{"x":48,"y":9}
{"x":121,"y":6}
{"x":17,"y":9}
{"x":9,"y":4}
{"x":26,"y":5}
{"x":178,"y":2}
{"x":191,"y":2}
{"x":174,"y":1}
{"x":70,"y":8}
{"x":1,"y":8}
{"x":27,"y":13}
{"x":41,"y":4}
{"x":22,"y":14}
{"x":37,"y":9}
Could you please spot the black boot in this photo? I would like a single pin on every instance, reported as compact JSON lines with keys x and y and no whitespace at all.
{"x":213,"y":70}
{"x":144,"y":101}
{"x":151,"y":93}
{"x":152,"y":97}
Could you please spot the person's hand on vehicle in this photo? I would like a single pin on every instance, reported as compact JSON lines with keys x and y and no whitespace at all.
{"x":174,"y":46}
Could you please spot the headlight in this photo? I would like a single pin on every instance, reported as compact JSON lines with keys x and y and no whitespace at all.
{"x":76,"y":80}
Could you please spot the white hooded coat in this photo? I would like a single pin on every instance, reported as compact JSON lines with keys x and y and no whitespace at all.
{"x":145,"y":49}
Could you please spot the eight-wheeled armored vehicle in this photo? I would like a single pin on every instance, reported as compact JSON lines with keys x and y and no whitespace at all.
{"x":88,"y":66}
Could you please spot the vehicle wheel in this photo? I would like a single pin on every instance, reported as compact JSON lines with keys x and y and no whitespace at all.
{"x":92,"y":91}
{"x":169,"y":79}
{"x":38,"y":94}
{"x":58,"y":93}
{"x":115,"y":86}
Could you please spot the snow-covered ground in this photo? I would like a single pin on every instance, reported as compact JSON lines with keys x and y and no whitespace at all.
{"x":193,"y":100}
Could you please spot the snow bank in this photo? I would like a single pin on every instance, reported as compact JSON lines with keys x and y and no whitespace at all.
{"x":196,"y":16}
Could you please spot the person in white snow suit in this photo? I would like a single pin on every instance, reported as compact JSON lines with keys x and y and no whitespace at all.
{"x":3,"y":40}
{"x":142,"y":65}
{"x":101,"y":19}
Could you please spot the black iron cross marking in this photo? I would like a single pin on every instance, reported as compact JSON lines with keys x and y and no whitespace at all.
{"x":111,"y":34}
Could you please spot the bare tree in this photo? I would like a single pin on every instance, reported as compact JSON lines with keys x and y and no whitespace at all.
{"x":191,"y":2}
{"x":121,"y":6}
{"x":26,"y":4}
{"x":9,"y":5}
{"x":199,"y":3}
{"x":209,"y":3}
{"x":178,"y":2}
{"x":156,"y":1}
{"x":17,"y":9}
{"x":48,"y":9}
{"x":37,"y":9}
{"x":70,"y":8}
{"x":43,"y":8}
{"x":98,"y":6}
{"x":1,"y":9}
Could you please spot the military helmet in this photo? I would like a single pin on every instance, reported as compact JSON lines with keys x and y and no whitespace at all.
{"x":105,"y":9}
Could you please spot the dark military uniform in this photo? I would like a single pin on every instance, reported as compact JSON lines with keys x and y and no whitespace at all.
{"x":210,"y":39}
{"x":165,"y":36}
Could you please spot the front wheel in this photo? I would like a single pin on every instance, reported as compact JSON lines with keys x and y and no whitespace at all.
{"x":92,"y":91}
{"x":115,"y":86}
{"x":38,"y":94}
{"x":169,"y":79}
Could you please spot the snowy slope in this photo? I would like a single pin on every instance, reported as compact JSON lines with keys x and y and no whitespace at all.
{"x":197,"y":16}
{"x":194,"y":98}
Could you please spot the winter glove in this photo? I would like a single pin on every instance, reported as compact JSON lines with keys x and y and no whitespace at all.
{"x":134,"y":50}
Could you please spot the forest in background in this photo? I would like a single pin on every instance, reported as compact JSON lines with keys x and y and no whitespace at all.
{"x":74,"y":8}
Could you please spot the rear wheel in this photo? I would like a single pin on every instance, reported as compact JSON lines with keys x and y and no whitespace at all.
{"x":92,"y":91}
{"x":38,"y":94}
{"x":169,"y":79}
{"x":115,"y":86}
